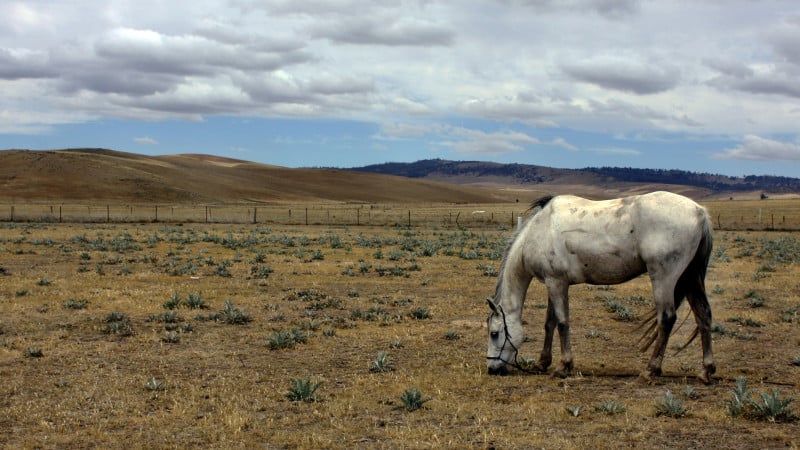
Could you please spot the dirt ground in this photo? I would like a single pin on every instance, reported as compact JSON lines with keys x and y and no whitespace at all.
{"x":119,"y":336}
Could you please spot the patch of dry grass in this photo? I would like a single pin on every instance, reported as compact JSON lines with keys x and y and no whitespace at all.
{"x":352,"y":293}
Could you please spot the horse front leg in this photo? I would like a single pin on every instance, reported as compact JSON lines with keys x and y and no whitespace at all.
{"x":559,"y":302}
{"x":546,"y":357}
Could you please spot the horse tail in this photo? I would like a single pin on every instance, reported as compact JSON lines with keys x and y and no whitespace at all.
{"x":691,"y":285}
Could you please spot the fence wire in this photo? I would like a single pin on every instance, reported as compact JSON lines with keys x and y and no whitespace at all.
{"x":733,"y":215}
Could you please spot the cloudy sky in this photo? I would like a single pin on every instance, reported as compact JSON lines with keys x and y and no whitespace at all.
{"x":709,"y":86}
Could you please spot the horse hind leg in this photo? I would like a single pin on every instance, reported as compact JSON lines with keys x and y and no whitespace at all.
{"x":702,"y":315}
{"x":665,"y":319}
{"x":692,"y":286}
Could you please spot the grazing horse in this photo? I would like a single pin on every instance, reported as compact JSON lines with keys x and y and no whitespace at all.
{"x":571,"y":240}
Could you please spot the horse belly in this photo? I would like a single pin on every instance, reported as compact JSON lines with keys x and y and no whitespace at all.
{"x":610,"y":268}
{"x":597,"y":259}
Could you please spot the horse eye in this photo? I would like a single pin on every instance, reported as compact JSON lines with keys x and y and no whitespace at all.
{"x":494,"y":334}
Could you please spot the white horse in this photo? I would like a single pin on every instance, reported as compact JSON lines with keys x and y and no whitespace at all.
{"x":571,"y":240}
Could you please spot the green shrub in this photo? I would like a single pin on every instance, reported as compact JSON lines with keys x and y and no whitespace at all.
{"x":380,"y":363}
{"x":171,"y":337}
{"x":260,"y":272}
{"x":232,"y":315}
{"x":773,"y":408}
{"x":280,"y":339}
{"x":412,"y":399}
{"x":740,"y":397}
{"x":610,"y":407}
{"x":671,"y":406}
{"x":118,"y":323}
{"x":195,"y":301}
{"x":154,"y":385}
{"x":770,"y":407}
{"x":33,"y":352}
{"x":72,"y":303}
{"x":452,"y":335}
{"x":623,"y":312}
{"x":574,"y":411}
{"x":420,"y":313}
{"x":173,"y":301}
{"x":303,"y":390}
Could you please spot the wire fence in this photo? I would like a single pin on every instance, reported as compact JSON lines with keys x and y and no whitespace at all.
{"x":318,"y":214}
{"x":734,"y":215}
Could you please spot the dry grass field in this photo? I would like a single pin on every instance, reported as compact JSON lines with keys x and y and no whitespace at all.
{"x":173,"y":335}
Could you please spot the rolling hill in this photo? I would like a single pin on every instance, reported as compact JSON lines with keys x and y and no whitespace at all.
{"x":593,"y":181}
{"x":101,"y":175}
{"x":82,"y":175}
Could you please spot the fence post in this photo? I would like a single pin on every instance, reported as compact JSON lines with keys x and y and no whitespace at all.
{"x":12,"y":213}
{"x":409,"y":218}
{"x":255,"y":215}
{"x":156,"y":213}
{"x":306,"y":216}
{"x":206,"y":214}
{"x":59,"y":213}
{"x":108,"y":214}
{"x":358,"y":216}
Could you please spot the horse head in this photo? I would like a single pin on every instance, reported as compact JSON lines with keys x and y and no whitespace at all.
{"x":505,"y":336}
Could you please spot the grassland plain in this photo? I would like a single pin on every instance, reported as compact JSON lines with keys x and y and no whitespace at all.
{"x":179,"y":335}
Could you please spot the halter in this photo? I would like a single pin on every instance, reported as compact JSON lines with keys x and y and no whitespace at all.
{"x":507,"y":340}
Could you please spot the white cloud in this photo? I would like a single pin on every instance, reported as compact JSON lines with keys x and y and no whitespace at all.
{"x":613,"y":66}
{"x":145,"y":140}
{"x":756,"y":148}
{"x":561,"y":142}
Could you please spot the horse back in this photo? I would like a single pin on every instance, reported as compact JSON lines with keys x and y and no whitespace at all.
{"x":612,"y":241}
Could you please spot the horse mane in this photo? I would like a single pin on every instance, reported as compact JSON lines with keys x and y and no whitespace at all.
{"x":538,"y":203}
{"x":541,"y":202}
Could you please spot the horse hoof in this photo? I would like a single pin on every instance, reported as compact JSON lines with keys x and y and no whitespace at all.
{"x":705,"y":378}
{"x":646,"y":377}
{"x":561,"y":373}
{"x":538,"y":369}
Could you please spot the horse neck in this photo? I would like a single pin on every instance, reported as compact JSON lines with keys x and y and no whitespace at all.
{"x":513,"y":281}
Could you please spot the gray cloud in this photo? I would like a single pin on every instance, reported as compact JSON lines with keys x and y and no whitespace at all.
{"x":528,"y":107}
{"x":608,"y":8}
{"x":779,"y":77}
{"x":624,"y":75}
{"x":785,"y":40}
{"x":15,"y":65}
{"x":756,"y":148}
{"x":772,"y":81}
{"x":392,"y":32}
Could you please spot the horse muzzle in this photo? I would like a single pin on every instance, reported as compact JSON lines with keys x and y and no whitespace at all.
{"x":500,"y":370}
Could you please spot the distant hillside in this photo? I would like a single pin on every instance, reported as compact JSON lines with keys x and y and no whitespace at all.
{"x":470,"y":172}
{"x":100,"y":175}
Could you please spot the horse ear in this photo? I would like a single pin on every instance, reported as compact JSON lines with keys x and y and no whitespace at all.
{"x":493,"y":306}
